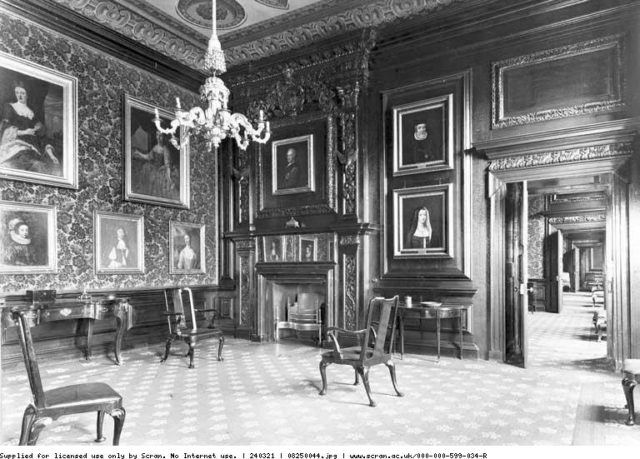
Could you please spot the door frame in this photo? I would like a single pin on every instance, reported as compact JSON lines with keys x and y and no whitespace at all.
{"x":598,"y":151}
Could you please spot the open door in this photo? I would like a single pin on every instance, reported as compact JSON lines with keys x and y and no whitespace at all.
{"x":555,"y":252}
{"x":516,"y":298}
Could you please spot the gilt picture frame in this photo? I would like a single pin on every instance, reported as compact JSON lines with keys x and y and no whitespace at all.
{"x":274,"y":249}
{"x":119,"y":243}
{"x":28,"y":238}
{"x":423,"y":135}
{"x":156,"y":171}
{"x":307,"y":249}
{"x":422,"y":222}
{"x":293,"y":165}
{"x":186,"y":248}
{"x":48,"y":106}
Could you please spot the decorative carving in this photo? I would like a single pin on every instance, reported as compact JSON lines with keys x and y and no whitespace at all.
{"x":585,"y":218}
{"x":229,"y":13}
{"x":242,"y":176}
{"x":365,"y":16}
{"x":348,"y":239}
{"x":350,"y":276}
{"x":281,"y":4}
{"x":131,"y":24}
{"x":347,"y":148}
{"x":246,"y":272}
{"x":350,"y":189}
{"x":589,"y":153}
{"x":245,"y":244}
{"x":582,"y":197}
{"x":614,"y":101}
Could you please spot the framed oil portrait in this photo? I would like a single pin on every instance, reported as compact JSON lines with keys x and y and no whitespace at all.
{"x":307,"y":249}
{"x":186,"y":248}
{"x":423,"y":135}
{"x":422,"y":221}
{"x":156,"y":172}
{"x":39,"y":143}
{"x":292,"y":166}
{"x":119,"y":243}
{"x":274,"y":249}
{"x":28,"y":238}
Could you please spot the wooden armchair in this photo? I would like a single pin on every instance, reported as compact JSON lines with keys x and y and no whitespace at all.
{"x":51,"y":404}
{"x":184,"y":324}
{"x":374,"y":347}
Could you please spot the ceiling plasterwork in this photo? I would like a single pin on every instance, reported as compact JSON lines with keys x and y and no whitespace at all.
{"x":141,"y":21}
{"x":282,"y":4}
{"x":230,"y":13}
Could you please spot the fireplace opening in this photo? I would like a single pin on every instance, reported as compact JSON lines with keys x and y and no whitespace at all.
{"x":299,"y":311}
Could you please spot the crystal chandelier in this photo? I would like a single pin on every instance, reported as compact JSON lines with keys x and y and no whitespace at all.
{"x":215,"y":122}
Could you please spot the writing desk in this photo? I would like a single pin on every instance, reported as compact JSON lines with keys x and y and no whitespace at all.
{"x":432,"y":310}
{"x":87,"y":311}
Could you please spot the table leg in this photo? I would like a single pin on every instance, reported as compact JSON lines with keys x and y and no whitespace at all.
{"x":438,"y":333}
{"x":121,"y":313}
{"x":460,"y":326}
{"x":87,"y":350}
{"x":401,"y":318}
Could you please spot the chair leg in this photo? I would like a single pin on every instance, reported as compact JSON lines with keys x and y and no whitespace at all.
{"x":32,"y":426}
{"x":323,"y":375}
{"x":99,"y":423}
{"x":365,"y":380}
{"x":191,"y":354}
{"x":118,"y":416}
{"x":392,"y":370}
{"x":167,"y":349}
{"x":628,"y":384}
{"x":220,"y":346}
{"x":357,"y":381}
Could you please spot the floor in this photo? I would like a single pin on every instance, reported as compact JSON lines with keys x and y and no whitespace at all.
{"x":267,"y":394}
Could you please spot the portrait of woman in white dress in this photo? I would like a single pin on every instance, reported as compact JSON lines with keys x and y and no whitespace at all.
{"x":186,"y":248}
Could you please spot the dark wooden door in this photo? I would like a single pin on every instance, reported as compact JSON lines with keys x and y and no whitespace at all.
{"x":555,"y":272}
{"x":516,"y":298}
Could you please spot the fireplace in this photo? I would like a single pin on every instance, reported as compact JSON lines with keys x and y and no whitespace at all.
{"x":281,"y":285}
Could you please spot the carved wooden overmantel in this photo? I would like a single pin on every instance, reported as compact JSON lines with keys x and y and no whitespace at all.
{"x":315,"y":91}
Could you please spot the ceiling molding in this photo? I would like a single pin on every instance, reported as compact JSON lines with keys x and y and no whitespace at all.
{"x":132,"y":24}
{"x":146,"y":24}
{"x":364,"y":16}
{"x":77,"y":26}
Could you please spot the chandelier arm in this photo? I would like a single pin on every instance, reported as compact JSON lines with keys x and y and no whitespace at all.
{"x":215,"y":123}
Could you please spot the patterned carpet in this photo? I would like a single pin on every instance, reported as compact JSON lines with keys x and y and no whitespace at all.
{"x":267,"y":394}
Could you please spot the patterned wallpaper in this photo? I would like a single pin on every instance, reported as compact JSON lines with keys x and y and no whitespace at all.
{"x":536,"y":237}
{"x":102,"y":82}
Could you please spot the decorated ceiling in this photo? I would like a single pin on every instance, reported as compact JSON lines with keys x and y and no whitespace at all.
{"x":248,"y":29}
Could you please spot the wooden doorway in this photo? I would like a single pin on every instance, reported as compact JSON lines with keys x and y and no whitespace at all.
{"x":508,"y":339}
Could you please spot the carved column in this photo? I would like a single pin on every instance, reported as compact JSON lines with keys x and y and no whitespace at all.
{"x":245,"y":262}
{"x":347,"y":314}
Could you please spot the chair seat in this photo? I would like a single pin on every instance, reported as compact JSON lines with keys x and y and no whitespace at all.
{"x":82,"y":396}
{"x":631,"y":366}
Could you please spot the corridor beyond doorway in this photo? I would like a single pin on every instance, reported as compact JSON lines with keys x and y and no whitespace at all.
{"x":568,"y":340}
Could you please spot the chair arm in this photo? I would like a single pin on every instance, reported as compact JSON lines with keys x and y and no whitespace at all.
{"x":332,"y":333}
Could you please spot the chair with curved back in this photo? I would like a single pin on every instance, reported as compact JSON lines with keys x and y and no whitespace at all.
{"x":184,"y":324}
{"x":49,"y":405}
{"x":374,"y":345}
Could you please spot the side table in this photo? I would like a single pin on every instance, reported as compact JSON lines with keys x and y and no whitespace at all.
{"x":432,"y":310}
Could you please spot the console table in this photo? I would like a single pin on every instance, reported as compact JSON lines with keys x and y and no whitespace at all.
{"x":432,"y":310}
{"x":87,"y":311}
